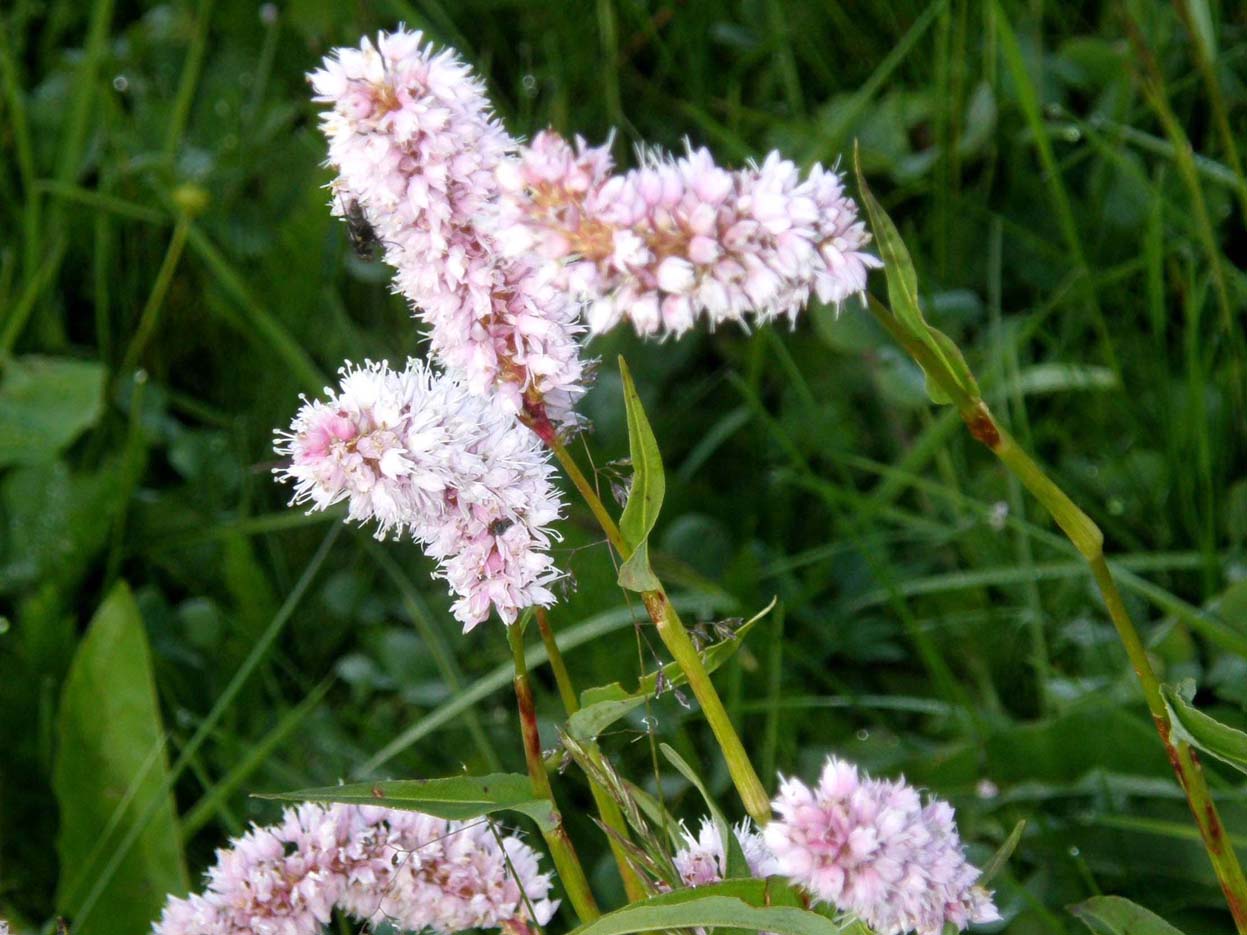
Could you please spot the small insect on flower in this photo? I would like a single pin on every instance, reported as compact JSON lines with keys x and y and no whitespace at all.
{"x":364,"y":240}
{"x":501,"y":525}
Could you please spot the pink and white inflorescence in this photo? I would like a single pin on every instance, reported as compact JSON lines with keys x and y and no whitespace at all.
{"x":870,"y":847}
{"x":417,"y":453}
{"x":417,"y":151}
{"x":417,"y":872}
{"x":703,"y":858}
{"x":678,"y":238}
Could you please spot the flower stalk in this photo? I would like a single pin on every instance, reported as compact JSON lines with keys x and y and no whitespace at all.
{"x":675,"y":637}
{"x":562,"y":852}
{"x":608,"y":808}
{"x":1087,"y":538}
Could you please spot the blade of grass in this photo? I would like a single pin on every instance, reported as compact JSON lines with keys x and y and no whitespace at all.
{"x":1154,"y":90}
{"x":260,"y":324}
{"x":1029,"y":100}
{"x":435,"y":643}
{"x":210,"y":802}
{"x":192,"y":66}
{"x":19,"y":127}
{"x":150,"y":316}
{"x":19,"y":314}
{"x":833,"y":136}
{"x":1205,"y":58}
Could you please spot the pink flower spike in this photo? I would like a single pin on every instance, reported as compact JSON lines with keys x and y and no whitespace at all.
{"x":872,"y":848}
{"x":417,"y":453}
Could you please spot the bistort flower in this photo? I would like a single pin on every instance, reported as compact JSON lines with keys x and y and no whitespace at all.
{"x":417,"y":453}
{"x":417,"y":152}
{"x":679,"y":238}
{"x":703,"y":858}
{"x":414,"y":871}
{"x":870,"y":847}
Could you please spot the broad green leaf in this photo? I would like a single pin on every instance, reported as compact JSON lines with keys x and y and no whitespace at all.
{"x":111,"y":769}
{"x":649,"y":485}
{"x":1001,"y":857}
{"x":1205,"y":732}
{"x":458,"y":798}
{"x":737,"y":867}
{"x":738,"y":904}
{"x":45,"y":403}
{"x":602,"y":706}
{"x":898,"y":269}
{"x":1114,"y":915}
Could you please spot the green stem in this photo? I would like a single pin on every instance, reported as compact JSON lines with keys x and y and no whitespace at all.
{"x":1087,"y":538}
{"x":608,"y":808}
{"x":757,"y":803}
{"x":567,"y":691}
{"x":588,"y":493}
{"x":156,"y":298}
{"x":570,"y":871}
{"x":675,"y":637}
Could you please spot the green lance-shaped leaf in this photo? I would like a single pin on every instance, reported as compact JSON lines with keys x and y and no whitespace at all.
{"x":45,"y":403}
{"x":1203,"y":731}
{"x":110,"y":773}
{"x":898,"y":269}
{"x":457,"y":798}
{"x":735,"y":904}
{"x":602,"y":706}
{"x":1001,"y":857}
{"x":737,"y":866}
{"x":649,"y":485}
{"x":1113,"y":915}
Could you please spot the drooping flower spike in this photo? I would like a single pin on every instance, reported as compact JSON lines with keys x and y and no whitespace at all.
{"x":416,"y":453}
{"x":414,"y":871}
{"x":417,"y":151}
{"x":871,"y":847}
{"x":680,"y":238}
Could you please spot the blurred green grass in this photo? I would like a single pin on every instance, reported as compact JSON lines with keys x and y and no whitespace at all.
{"x":170,"y":280}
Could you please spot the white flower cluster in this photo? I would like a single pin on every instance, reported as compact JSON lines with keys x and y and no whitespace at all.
{"x":703,"y":858}
{"x":871,"y":847}
{"x":499,"y":248}
{"x":677,"y":238}
{"x":414,"y":871}
{"x":417,"y":453}
{"x":417,"y":152}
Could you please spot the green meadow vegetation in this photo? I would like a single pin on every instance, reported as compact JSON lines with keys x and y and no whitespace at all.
{"x":1069,"y":180}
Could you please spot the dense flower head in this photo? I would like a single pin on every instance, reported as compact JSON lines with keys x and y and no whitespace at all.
{"x":871,"y":847}
{"x":680,"y":237}
{"x":703,"y":857}
{"x":417,"y":453}
{"x":417,"y":872}
{"x":417,"y":152}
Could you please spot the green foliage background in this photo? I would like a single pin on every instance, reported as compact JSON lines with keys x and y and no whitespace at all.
{"x":170,"y":280}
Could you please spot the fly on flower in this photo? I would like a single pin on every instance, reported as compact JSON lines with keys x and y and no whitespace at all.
{"x":364,"y":240}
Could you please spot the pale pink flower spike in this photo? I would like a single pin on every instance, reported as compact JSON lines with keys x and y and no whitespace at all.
{"x":418,"y":152}
{"x":415,"y":871}
{"x":417,"y":453}
{"x":870,"y":847}
{"x":679,"y":238}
